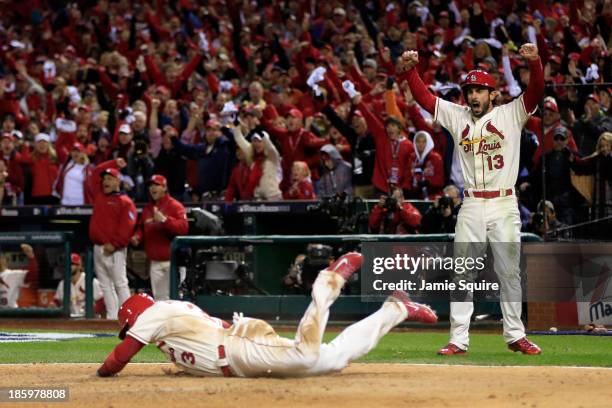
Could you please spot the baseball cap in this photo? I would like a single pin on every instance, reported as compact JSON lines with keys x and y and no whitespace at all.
{"x":125,"y":128}
{"x":593,"y":97}
{"x":555,"y":58}
{"x":560,"y":131}
{"x":42,"y":137}
{"x":17,"y":134}
{"x":296,"y":113}
{"x":339,"y":11}
{"x":370,"y":62}
{"x":444,"y":14}
{"x":574,"y":56}
{"x":75,"y":259}
{"x":552,"y":105}
{"x":78,"y":146}
{"x":158,"y":179}
{"x":111,"y":172}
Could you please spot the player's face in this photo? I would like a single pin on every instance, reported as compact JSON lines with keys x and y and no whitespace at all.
{"x":479,"y":99}
{"x":157,"y":191}
{"x":110,"y":184}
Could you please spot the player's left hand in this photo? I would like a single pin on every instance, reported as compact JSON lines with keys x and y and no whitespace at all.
{"x":109,"y":249}
{"x":529,"y":51}
{"x":27,"y":250}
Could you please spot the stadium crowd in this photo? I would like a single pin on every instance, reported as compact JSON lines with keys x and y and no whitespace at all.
{"x":270,"y":100}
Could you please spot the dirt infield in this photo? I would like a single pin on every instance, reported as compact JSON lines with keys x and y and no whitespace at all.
{"x":361,"y":385}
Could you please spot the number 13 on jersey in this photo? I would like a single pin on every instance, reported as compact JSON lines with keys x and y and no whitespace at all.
{"x":495,"y":162}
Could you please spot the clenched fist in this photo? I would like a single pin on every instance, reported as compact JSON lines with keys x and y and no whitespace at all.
{"x":407,"y":61}
{"x":529,"y":51}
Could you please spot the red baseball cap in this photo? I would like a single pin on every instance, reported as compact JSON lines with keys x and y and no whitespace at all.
{"x":296,"y":113}
{"x":552,"y":105}
{"x":111,"y":172}
{"x":159,"y":180}
{"x":75,"y":259}
{"x":78,"y":146}
{"x":574,"y":56}
{"x":593,"y":96}
{"x":479,"y":77}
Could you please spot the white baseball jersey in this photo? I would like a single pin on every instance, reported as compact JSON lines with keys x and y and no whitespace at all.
{"x":11,"y":280}
{"x":184,"y":333}
{"x":77,"y":294}
{"x":489,"y":148}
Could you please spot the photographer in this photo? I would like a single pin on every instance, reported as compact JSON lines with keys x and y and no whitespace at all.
{"x":394,"y":216}
{"x":440,"y":217}
{"x":547,"y":225}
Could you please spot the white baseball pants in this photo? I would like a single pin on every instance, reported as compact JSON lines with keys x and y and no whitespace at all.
{"x":497,"y":221}
{"x":160,"y":279}
{"x":111,"y":272}
{"x":254,"y":349}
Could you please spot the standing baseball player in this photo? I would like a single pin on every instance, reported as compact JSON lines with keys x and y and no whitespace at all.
{"x":110,"y":229}
{"x":77,"y":290}
{"x":488,"y":140}
{"x":161,"y":220}
{"x":206,"y":346}
{"x":12,"y":280}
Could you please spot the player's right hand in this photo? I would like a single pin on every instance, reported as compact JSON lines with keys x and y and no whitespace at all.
{"x":121,"y":163}
{"x":408,"y":60}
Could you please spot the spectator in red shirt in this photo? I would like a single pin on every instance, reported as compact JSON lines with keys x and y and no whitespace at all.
{"x":301,"y":185}
{"x":44,"y":168}
{"x":392,"y":215}
{"x":297,"y":144}
{"x":239,"y":187}
{"x":162,"y":219}
{"x":12,"y":159}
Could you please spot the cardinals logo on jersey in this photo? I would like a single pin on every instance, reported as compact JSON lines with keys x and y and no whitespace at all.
{"x":490,"y":128}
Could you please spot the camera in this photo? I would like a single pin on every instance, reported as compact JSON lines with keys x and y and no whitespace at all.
{"x":140,"y":148}
{"x":342,"y":211}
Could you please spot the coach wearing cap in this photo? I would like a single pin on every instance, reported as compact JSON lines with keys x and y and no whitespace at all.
{"x":110,"y":228}
{"x":161,"y":220}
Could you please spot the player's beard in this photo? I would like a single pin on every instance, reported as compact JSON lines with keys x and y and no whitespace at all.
{"x":484,"y":108}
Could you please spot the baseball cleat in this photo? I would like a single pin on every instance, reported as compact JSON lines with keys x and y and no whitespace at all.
{"x":416,"y":311}
{"x":525,"y":346}
{"x":451,"y":350}
{"x":347,"y":264}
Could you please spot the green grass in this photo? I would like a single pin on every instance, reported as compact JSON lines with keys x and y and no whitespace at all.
{"x":485,"y":349}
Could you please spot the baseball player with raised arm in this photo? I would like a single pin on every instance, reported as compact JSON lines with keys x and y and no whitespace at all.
{"x":203,"y":345}
{"x":488,"y":140}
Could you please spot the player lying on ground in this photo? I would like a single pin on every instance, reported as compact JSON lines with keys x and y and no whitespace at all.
{"x":204,"y":345}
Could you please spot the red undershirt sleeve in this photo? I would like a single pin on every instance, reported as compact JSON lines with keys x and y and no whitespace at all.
{"x":420,"y":92}
{"x":120,"y":356}
{"x":535,"y":88}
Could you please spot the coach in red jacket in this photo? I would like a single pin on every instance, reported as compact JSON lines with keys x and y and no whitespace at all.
{"x":110,"y":228}
{"x":161,"y":220}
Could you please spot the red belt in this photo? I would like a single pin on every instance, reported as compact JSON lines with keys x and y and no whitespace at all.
{"x":489,"y":193}
{"x":225,"y":368}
